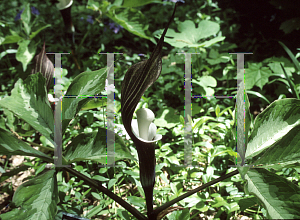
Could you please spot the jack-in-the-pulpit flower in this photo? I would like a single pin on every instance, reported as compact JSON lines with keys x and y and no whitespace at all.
{"x":138,"y":78}
{"x":64,"y":6}
{"x":44,"y":65}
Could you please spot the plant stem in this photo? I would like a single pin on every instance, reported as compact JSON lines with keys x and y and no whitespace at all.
{"x":97,"y":185}
{"x":191,"y":192}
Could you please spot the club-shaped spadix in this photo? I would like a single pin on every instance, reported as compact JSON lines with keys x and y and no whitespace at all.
{"x":144,"y":117}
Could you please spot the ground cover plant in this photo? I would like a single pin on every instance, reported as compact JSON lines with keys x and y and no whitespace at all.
{"x":150,"y":178}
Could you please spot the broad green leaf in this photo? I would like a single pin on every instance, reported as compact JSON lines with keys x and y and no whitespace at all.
{"x":273,"y":124}
{"x":276,"y":68}
{"x":25,"y":53}
{"x":83,"y":86}
{"x":283,"y":153}
{"x":132,"y":20}
{"x":211,"y":42}
{"x":25,"y":17}
{"x":245,"y":203}
{"x":12,"y":39}
{"x":257,"y":75}
{"x":179,"y":214}
{"x":290,"y":25}
{"x":205,"y":83}
{"x":166,"y":118}
{"x":10,"y":145}
{"x":29,"y":102}
{"x":190,"y":36}
{"x":94,"y":103}
{"x":35,"y":199}
{"x":280,"y":197}
{"x":26,"y":14}
{"x":92,"y":146}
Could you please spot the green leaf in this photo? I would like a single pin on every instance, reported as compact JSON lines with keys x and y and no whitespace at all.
{"x":38,"y":31}
{"x":290,"y":25}
{"x":92,"y":146}
{"x":273,"y":124}
{"x":212,"y":42}
{"x":12,"y":39}
{"x":29,"y":102}
{"x":216,"y":58}
{"x":111,"y":182}
{"x":190,"y":36}
{"x":166,"y":118}
{"x":35,"y":199}
{"x":25,"y":17}
{"x":217,"y":110}
{"x":25,"y":53}
{"x":4,"y":176}
{"x":289,"y":52}
{"x":174,"y":188}
{"x":132,"y":20}
{"x":137,"y":3}
{"x":280,"y":197}
{"x":84,"y":85}
{"x":180,"y":214}
{"x":205,"y":83}
{"x":94,"y":103}
{"x":10,"y":145}
{"x":93,"y":5}
{"x":245,"y":203}
{"x":199,"y":121}
{"x":258,"y":95}
{"x":243,"y":121}
{"x":257,"y":75}
{"x":137,"y":201}
{"x":276,"y":68}
{"x":283,"y":153}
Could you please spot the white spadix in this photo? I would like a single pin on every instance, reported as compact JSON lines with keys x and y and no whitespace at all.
{"x":143,"y":128}
{"x":144,"y":117}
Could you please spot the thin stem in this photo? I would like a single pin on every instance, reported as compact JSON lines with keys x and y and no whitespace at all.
{"x":290,"y":82}
{"x":189,"y":193}
{"x":97,"y":185}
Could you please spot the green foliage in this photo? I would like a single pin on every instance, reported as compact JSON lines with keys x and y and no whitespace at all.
{"x":271,"y":138}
